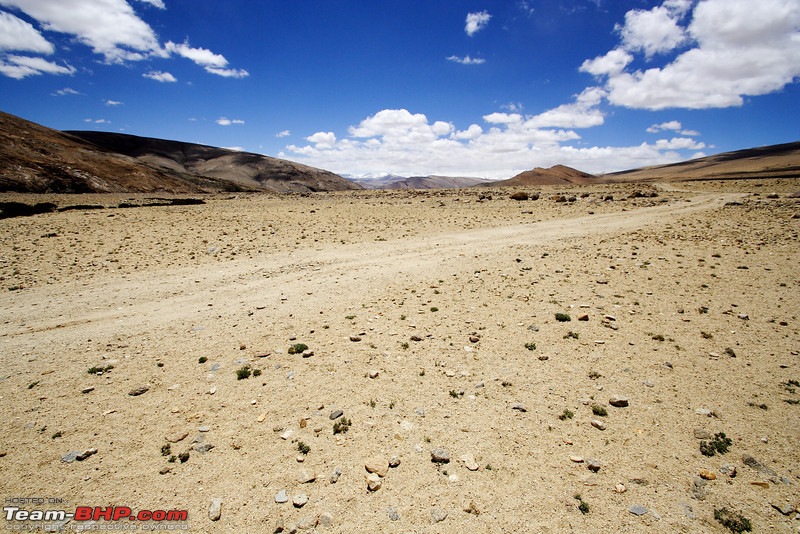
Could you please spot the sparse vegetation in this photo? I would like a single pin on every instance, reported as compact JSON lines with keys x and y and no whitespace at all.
{"x":563,"y":317}
{"x":256,"y":372}
{"x":594,"y":375}
{"x":434,"y":309}
{"x":720,"y":444}
{"x":303,"y":448}
{"x":572,"y":335}
{"x":202,"y":359}
{"x":599,"y":410}
{"x":342,"y":425}
{"x":755,"y":405}
{"x":184,"y":457}
{"x":567,"y":414}
{"x":243,"y":372}
{"x":97,"y":370}
{"x":456,"y":394}
{"x":582,"y":505}
{"x":166,"y":449}
{"x":733,"y":521}
{"x":298,"y":348}
{"x":530,"y":346}
{"x":658,"y":337}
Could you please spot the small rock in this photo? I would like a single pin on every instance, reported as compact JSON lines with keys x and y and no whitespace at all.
{"x":281,"y":497}
{"x":204,"y":428}
{"x":700,"y":433}
{"x":335,"y":414}
{"x":392,"y":513}
{"x":379,"y":466}
{"x":618,"y":401}
{"x":298,"y":501}
{"x":743,"y":316}
{"x":474,"y":339}
{"x":141,"y":390}
{"x":307,"y":353}
{"x":374,"y":482}
{"x":543,"y":358}
{"x":699,"y":488}
{"x":335,"y":475}
{"x":355,"y":339}
{"x":576,"y":459}
{"x":749,"y":461}
{"x":785,"y":508}
{"x":87,"y":390}
{"x":326,"y":519}
{"x":583,"y":317}
{"x":440,"y":456}
{"x":609,"y":318}
{"x":637,"y":509}
{"x":374,"y":374}
{"x":420,"y":411}
{"x":176,"y":437}
{"x":164,"y":470}
{"x":469,"y":462}
{"x":416,"y":338}
{"x":306,"y":476}
{"x":728,"y":469}
{"x":394,"y":461}
{"x":286,"y":434}
{"x":593,"y":466}
{"x":599,"y":425}
{"x":308,"y":522}
{"x":438,"y":515}
{"x":519,"y":407}
{"x":703,"y":411}
{"x":620,"y":488}
{"x":203,"y":447}
{"x":215,"y":510}
{"x":707,"y":475}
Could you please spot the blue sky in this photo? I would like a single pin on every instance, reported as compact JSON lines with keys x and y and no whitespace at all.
{"x":414,"y":87}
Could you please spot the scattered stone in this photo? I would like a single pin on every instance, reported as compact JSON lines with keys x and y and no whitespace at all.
{"x":728,"y":469}
{"x":620,"y":488}
{"x":308,"y":522}
{"x":638,"y":509}
{"x":355,"y":339}
{"x":204,"y":428}
{"x":469,"y":462}
{"x":707,"y":475}
{"x":87,"y":390}
{"x":392,"y":513}
{"x":519,"y":407}
{"x":306,"y":476}
{"x":749,"y":461}
{"x":164,"y":470}
{"x":262,"y":417}
{"x":177,"y":436}
{"x":416,"y":338}
{"x":438,"y":515}
{"x":703,"y":411}
{"x":743,"y":317}
{"x":335,"y":415}
{"x":307,"y":353}
{"x":785,"y":508}
{"x":326,"y":519}
{"x":298,"y":501}
{"x":583,"y":317}
{"x":286,"y":434}
{"x":609,"y":318}
{"x":699,"y":488}
{"x":335,"y":475}
{"x":215,"y":510}
{"x":203,"y":447}
{"x":576,"y":459}
{"x":599,"y":425}
{"x":77,"y":455}
{"x":700,"y":433}
{"x":420,"y":411}
{"x":394,"y":461}
{"x":374,"y":374}
{"x":618,"y":401}
{"x":440,"y":456}
{"x":593,"y":466}
{"x":760,"y":483}
{"x":474,"y":339}
{"x":379,"y":466}
{"x":374,"y":482}
{"x":543,"y":358}
{"x":281,"y":497}
{"x":141,"y":390}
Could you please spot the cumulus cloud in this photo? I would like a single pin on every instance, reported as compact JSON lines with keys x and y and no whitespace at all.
{"x":402,"y":142}
{"x":20,"y":36}
{"x":476,"y":22}
{"x":113,"y":103}
{"x":111,"y":28}
{"x":467,"y":60}
{"x":19,"y":67}
{"x":160,"y":76}
{"x":66,"y":91}
{"x":721,"y":51}
{"x":674,"y":126}
{"x":224,"y":121}
{"x":283,"y":133}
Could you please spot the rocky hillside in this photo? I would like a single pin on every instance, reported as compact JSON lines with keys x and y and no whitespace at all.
{"x":557,"y":175}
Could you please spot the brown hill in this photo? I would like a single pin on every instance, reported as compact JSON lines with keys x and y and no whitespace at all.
{"x":556,"y":175}
{"x":245,"y":169}
{"x":775,"y":161}
{"x":37,"y":159}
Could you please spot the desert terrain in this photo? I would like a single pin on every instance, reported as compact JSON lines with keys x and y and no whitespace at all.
{"x":435,"y":322}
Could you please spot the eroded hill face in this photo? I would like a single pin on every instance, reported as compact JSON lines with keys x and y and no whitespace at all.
{"x":36,"y":159}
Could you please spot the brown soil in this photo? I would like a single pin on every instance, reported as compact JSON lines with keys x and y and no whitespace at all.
{"x":240,"y":279}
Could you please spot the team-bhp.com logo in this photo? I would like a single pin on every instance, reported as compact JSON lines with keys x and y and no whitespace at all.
{"x":86,"y":518}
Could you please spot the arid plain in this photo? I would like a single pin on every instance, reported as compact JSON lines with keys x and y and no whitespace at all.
{"x":430,"y":321}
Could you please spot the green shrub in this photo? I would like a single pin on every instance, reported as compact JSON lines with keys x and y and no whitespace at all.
{"x":733,"y":521}
{"x":298,"y":348}
{"x":243,"y":372}
{"x":563,"y":317}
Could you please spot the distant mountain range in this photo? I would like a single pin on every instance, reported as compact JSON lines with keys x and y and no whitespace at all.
{"x":393,"y":181}
{"x":37,"y":159}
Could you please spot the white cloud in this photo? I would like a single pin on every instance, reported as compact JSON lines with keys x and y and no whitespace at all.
{"x":655,"y":31}
{"x":224,"y":121}
{"x":159,"y":76}
{"x":19,"y":67}
{"x":111,"y":28}
{"x":283,"y":133}
{"x":674,"y":126}
{"x":113,"y":103}
{"x":398,"y":141}
{"x":67,"y":91}
{"x":476,"y":22}
{"x":20,"y":36}
{"x":467,"y":60}
{"x":736,"y":48}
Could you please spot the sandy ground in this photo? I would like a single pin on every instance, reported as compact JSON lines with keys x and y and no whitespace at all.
{"x":432,"y":321}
